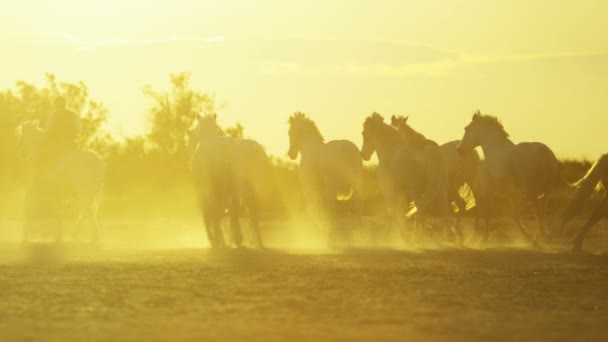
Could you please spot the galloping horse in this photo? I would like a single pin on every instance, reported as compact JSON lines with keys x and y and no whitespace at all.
{"x":412,"y":167}
{"x":328,"y":170}
{"x":77,"y":178}
{"x":585,"y":186}
{"x":461,"y":168}
{"x":524,"y":172}
{"x":228,"y":172}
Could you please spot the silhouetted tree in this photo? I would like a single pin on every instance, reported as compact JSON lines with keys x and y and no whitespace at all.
{"x":173,"y":113}
{"x":36,"y":105}
{"x":236,"y":131}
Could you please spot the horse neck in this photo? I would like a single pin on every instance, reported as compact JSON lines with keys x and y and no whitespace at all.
{"x":204,"y":137}
{"x":413,"y":137}
{"x":389,"y":142}
{"x":496,"y":148}
{"x":310,"y":147}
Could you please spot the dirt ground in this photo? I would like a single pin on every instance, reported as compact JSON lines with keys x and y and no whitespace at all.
{"x":178,"y":292}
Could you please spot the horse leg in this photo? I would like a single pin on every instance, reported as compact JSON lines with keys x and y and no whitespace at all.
{"x":218,"y":231}
{"x":540,"y":206}
{"x":598,"y":213}
{"x":332,"y":219}
{"x":210,"y":227}
{"x":235,"y":224}
{"x":256,"y":228}
{"x":59,"y":224}
{"x":94,"y":225}
{"x":522,"y":227}
{"x":487,"y":213}
{"x":27,"y":221}
{"x":253,"y":204}
{"x":255,"y":222}
{"x":462,"y":209}
{"x":454,"y":223}
{"x":59,"y":231}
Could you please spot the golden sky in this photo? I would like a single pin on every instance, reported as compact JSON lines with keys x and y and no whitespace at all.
{"x":541,"y":66}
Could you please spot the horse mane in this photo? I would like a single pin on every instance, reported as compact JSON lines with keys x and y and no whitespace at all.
{"x":490,"y":120}
{"x":302,"y":123}
{"x":375,"y":123}
{"x":398,"y":121}
{"x":415,"y":137}
{"x":210,"y":119}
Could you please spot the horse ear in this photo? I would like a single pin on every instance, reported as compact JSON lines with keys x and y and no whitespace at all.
{"x":476,"y":114}
{"x":406,"y":118}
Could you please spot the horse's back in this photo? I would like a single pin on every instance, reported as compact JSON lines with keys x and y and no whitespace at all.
{"x":83,"y":168}
{"x":253,"y":167}
{"x":462,"y":167}
{"x":345,"y":156}
{"x":229,"y":163}
{"x":535,"y":166}
{"x":345,"y":151}
{"x":211,"y":165}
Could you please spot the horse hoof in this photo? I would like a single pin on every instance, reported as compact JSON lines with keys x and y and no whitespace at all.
{"x":577,"y":249}
{"x":535,"y":244}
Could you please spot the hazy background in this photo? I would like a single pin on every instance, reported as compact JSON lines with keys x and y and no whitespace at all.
{"x":541,"y":66}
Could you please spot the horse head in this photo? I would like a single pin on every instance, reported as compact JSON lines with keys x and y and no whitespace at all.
{"x":481,"y":127}
{"x":372,"y":130}
{"x":301,"y":130}
{"x":399,"y":121}
{"x":208,"y":127}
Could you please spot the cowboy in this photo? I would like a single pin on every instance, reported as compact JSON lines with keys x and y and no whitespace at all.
{"x":60,"y":132}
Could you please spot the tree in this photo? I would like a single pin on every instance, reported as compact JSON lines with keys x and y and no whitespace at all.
{"x":236,"y":131}
{"x":29,"y":102}
{"x":10,"y":107}
{"x":174,"y":112}
{"x":36,"y":104}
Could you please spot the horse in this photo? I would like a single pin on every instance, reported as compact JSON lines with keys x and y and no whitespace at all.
{"x":329,"y":171}
{"x":412,"y":167}
{"x":462,"y":169}
{"x":228,"y":172}
{"x":584,"y":187}
{"x":78,"y":178}
{"x":523,"y":172}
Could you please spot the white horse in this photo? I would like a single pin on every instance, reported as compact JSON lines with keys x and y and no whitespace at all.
{"x":328,"y":170}
{"x":228,"y":173}
{"x":77,"y":179}
{"x":598,"y":173}
{"x":462,"y":168}
{"x":410,"y":166}
{"x":526,"y":172}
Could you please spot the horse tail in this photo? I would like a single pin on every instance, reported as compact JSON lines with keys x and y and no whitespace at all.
{"x":585,"y":186}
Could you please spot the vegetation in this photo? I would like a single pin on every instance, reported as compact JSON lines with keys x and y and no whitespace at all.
{"x":146,"y":173}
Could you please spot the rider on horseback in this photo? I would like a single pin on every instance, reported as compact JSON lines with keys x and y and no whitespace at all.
{"x":59,"y":137}
{"x":60,"y":132}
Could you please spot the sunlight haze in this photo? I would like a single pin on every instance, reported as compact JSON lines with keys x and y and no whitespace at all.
{"x":542,"y":66}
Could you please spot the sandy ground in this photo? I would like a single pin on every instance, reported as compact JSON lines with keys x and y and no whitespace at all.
{"x":164,"y":293}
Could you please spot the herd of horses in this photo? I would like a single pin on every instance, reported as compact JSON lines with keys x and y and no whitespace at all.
{"x":417,"y":177}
